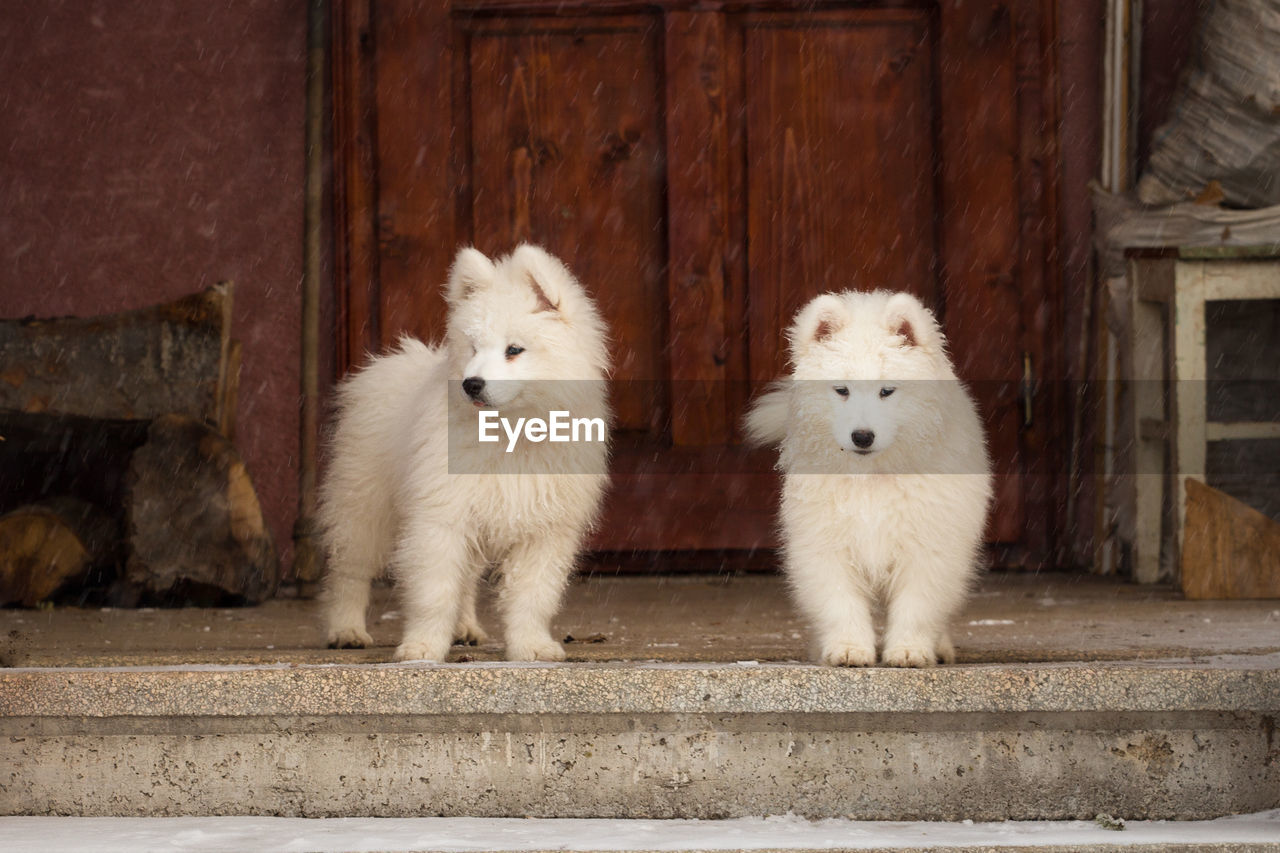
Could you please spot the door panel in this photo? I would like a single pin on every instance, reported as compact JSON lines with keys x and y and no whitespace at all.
{"x":704,"y":171}
{"x":839,"y":151}
{"x":566,"y":151}
{"x":416,"y":237}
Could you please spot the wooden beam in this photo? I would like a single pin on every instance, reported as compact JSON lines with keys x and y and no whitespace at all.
{"x":698,"y":226}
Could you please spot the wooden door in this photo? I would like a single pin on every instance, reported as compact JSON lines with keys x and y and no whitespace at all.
{"x":705,"y":170}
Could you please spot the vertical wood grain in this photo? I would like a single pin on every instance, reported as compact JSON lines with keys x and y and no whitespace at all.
{"x":697,"y":200}
{"x":706,"y":172}
{"x":415,"y":227}
{"x":979,"y":209}
{"x":567,"y":149}
{"x":355,"y":258}
{"x":1044,"y":442}
{"x":840,"y":153}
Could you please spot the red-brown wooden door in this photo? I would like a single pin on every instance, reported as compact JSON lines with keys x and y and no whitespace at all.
{"x":705,"y":171}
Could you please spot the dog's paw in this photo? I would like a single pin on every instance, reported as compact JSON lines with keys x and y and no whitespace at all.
{"x":946,"y":650}
{"x":847,"y":654}
{"x":544,"y":649}
{"x":419,"y":651}
{"x":349,"y":638}
{"x":914,"y":656}
{"x":470,"y":635}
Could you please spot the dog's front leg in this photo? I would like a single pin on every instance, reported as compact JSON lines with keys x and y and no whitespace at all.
{"x":432,"y":565}
{"x":836,"y":601}
{"x":924,"y":594}
{"x":468,"y":631}
{"x":533,"y":579}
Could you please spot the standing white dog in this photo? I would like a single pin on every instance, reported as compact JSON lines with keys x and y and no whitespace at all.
{"x":412,"y":485}
{"x":887,"y":480}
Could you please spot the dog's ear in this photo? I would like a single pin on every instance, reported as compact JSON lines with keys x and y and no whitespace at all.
{"x":547,"y":277}
{"x":816,"y":322}
{"x":906,"y":317}
{"x":471,"y":271}
{"x":558,"y":293}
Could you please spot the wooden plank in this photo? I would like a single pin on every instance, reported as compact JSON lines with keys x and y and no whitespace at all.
{"x":978,"y":140}
{"x":1231,"y":550}
{"x":1241,"y":279}
{"x":1241,"y":430}
{"x":354,"y":181}
{"x":738,"y":298}
{"x":1149,"y":394}
{"x":697,"y":228}
{"x":1152,"y":279}
{"x":566,"y":147}
{"x":1043,"y":440}
{"x":1189,"y":374}
{"x":415,"y":224}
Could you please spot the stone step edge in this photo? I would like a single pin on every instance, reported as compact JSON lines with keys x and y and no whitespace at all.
{"x":1249,"y":684}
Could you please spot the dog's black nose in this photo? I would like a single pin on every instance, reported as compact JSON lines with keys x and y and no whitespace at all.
{"x":863,"y":438}
{"x":473,"y":385}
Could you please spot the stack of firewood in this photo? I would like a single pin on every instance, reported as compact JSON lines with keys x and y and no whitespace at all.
{"x":119,"y":479}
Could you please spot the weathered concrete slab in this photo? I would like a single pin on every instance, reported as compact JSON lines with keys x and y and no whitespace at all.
{"x":1077,"y":696}
{"x":1138,"y":740}
{"x":1012,"y":618}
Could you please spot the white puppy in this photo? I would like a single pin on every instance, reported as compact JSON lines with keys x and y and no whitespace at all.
{"x":412,"y":485}
{"x":887,"y":481}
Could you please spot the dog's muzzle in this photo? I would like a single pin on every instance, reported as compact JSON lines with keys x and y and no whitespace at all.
{"x":474,"y":388}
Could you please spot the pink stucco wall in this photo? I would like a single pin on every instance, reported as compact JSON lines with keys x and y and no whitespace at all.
{"x":149,"y":148}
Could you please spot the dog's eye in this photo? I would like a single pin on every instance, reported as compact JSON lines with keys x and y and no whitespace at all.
{"x":841,"y":390}
{"x":885,"y":392}
{"x":513,"y":351}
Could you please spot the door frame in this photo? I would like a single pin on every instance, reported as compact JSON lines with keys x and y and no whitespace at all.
{"x":368,"y":258}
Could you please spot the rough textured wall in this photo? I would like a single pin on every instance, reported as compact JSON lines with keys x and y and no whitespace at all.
{"x":149,"y":148}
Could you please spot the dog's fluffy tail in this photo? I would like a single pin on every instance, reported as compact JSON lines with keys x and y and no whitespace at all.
{"x":766,"y":422}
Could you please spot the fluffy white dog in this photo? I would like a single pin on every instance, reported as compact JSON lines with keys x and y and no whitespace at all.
{"x":411,"y":484}
{"x":887,"y":481}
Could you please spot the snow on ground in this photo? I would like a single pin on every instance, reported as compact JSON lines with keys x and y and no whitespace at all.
{"x":217,"y":834}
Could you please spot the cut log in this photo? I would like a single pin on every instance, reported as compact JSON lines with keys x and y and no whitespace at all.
{"x":133,"y":365}
{"x":189,"y":526}
{"x":195,"y":527}
{"x":48,"y":546}
{"x":1229,"y":550}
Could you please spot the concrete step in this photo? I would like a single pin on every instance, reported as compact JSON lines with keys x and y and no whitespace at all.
{"x":1164,"y":739}
{"x":1259,"y":833}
